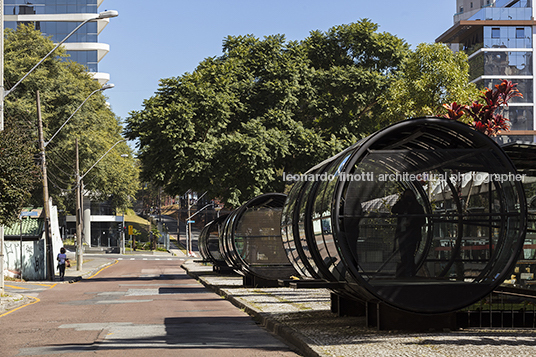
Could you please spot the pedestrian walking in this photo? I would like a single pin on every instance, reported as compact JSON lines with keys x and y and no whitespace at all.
{"x":408,"y":231}
{"x":62,"y":262}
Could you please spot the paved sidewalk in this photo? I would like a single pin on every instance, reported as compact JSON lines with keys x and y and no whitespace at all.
{"x":303,"y":318}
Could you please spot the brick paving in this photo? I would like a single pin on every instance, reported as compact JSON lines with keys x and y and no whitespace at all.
{"x":302,"y":317}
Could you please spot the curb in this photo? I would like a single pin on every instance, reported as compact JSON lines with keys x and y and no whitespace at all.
{"x":287,"y":334}
{"x":12,"y":301}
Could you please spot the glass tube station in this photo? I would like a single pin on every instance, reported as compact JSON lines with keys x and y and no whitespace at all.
{"x":427,"y":216}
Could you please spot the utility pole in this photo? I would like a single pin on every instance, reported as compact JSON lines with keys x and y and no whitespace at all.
{"x":188,"y":229}
{"x":2,"y":129}
{"x":79,"y":247}
{"x":46,"y":208}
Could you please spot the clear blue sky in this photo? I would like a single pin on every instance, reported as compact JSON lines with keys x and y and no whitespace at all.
{"x":158,"y":39}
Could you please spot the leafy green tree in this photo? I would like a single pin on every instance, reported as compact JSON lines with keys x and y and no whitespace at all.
{"x":262,"y":108}
{"x":18,"y":172}
{"x":354,"y":65}
{"x":430,"y":76}
{"x":63,"y":85}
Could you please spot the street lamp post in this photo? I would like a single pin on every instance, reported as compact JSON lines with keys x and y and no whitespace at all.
{"x":1,"y":129}
{"x":79,"y":183}
{"x":189,"y":244}
{"x":103,"y":15}
{"x":189,"y":224}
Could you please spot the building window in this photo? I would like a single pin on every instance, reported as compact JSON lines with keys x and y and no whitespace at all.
{"x":495,"y":32}
{"x":520,"y":33}
{"x":471,"y":5}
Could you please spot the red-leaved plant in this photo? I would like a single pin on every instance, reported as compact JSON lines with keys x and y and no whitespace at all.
{"x":484,"y":116}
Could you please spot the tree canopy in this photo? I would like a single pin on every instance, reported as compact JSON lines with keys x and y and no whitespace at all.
{"x":430,"y":76}
{"x":63,"y":85}
{"x":268,"y":106}
{"x":18,"y":172}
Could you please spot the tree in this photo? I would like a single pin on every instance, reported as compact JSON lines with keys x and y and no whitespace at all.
{"x":63,"y":86}
{"x":262,"y":108}
{"x":18,"y":172}
{"x":354,"y":66}
{"x":430,"y":76}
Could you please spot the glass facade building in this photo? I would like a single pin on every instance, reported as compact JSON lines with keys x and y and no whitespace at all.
{"x":56,"y":19}
{"x":497,"y":35}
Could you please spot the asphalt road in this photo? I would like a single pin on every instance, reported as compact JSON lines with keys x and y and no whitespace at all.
{"x":135,"y":308}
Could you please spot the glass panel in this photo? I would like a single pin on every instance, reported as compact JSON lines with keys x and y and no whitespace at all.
{"x":523,"y":85}
{"x":505,"y":37}
{"x":503,"y":63}
{"x":305,"y":196}
{"x":464,"y":211}
{"x":510,"y":13}
{"x":259,"y":234}
{"x":322,"y":219}
{"x":287,"y":226}
{"x":213,"y":243}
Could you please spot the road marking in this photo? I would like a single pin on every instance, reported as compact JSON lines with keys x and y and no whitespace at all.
{"x":47,"y":285}
{"x":36,"y":300}
{"x":109,"y":265}
{"x":15,"y":287}
{"x":26,"y":288}
{"x":122,"y":301}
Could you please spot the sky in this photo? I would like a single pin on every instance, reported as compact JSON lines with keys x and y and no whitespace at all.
{"x":156,"y":39}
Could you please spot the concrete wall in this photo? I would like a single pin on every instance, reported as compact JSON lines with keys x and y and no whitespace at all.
{"x":33,"y":258}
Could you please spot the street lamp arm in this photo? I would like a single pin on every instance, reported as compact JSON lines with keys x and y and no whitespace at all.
{"x":80,"y":106}
{"x":210,"y":204}
{"x":102,"y":15}
{"x":103,"y":88}
{"x":48,"y":54}
{"x":102,"y":157}
{"x":198,"y":198}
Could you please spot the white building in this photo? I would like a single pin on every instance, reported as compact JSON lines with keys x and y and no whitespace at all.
{"x":497,"y":35}
{"x":57,"y":18}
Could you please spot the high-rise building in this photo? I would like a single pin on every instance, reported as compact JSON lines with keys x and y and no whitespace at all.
{"x":497,"y":35}
{"x":57,"y":18}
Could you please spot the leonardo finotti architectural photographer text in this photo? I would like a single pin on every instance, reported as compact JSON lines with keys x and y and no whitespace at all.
{"x":371,"y":176}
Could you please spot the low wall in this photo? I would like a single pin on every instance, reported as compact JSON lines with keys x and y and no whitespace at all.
{"x":33,"y":258}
